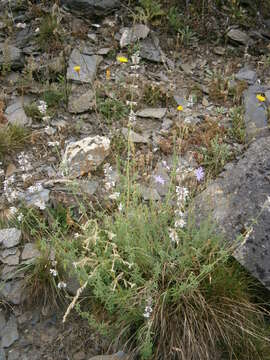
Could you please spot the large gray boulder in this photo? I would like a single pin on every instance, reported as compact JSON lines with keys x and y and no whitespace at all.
{"x":90,"y":8}
{"x":239,"y":200}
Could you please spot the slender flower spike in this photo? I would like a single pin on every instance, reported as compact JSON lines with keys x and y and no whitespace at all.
{"x":199,"y":173}
{"x":260,"y":98}
{"x":77,"y":68}
{"x":122,"y":59}
{"x":180,"y":108}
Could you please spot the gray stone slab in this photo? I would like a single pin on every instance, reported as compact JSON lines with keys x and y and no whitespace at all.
{"x":256,"y":117}
{"x":16,"y":115}
{"x":88,"y":67}
{"x":10,"y":333}
{"x":246,"y":74}
{"x":90,"y":8}
{"x":11,"y":56}
{"x":10,"y":237}
{"x":156,"y":113}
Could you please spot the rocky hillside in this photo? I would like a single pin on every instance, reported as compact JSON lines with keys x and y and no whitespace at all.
{"x":124,"y":127}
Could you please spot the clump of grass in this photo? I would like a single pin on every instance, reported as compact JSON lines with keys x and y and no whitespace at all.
{"x":32,"y":111}
{"x":154,"y":95}
{"x":12,"y":138}
{"x":53,"y":96}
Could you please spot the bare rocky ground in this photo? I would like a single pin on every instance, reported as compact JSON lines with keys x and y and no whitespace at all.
{"x":197,"y":97}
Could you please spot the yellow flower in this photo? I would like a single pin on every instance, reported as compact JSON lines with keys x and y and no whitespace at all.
{"x":122,"y":59}
{"x":77,"y":68}
{"x":260,"y":98}
{"x":180,"y":108}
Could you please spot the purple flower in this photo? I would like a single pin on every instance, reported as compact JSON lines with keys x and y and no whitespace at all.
{"x":199,"y":173}
{"x":159,"y":179}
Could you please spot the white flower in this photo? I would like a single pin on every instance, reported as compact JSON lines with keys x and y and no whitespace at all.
{"x":76,"y":235}
{"x":114,"y":196}
{"x":53,"y":272}
{"x":182,"y":195}
{"x":120,"y":207}
{"x":135,"y":58}
{"x":20,"y":217}
{"x":180,"y":223}
{"x":21,"y":25}
{"x":42,"y":107}
{"x":37,"y":30}
{"x":147,"y":311}
{"x":132,"y":116}
{"x":61,"y":285}
{"x":173,"y":236}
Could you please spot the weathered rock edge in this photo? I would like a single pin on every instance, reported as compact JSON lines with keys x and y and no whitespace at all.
{"x":238,"y":199}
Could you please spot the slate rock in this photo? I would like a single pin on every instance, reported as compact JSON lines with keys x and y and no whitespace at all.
{"x":30,"y":252}
{"x":256,"y":117}
{"x":12,"y":291}
{"x":2,"y":354}
{"x":10,"y":332}
{"x":85,"y":155}
{"x":239,"y":198}
{"x":133,"y":34}
{"x":10,"y":237}
{"x":15,"y":114}
{"x":38,"y":199}
{"x":149,"y":193}
{"x":90,"y":8}
{"x":88,"y":187}
{"x":12,"y":259}
{"x":157,"y":113}
{"x":149,"y":51}
{"x":246,"y":74}
{"x":88,"y":67}
{"x":134,"y":137}
{"x":82,"y":103}
{"x":11,"y":56}
{"x":238,"y":36}
{"x":2,"y":321}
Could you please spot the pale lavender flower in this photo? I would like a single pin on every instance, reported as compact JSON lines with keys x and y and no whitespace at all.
{"x":199,"y":173}
{"x":159,"y":179}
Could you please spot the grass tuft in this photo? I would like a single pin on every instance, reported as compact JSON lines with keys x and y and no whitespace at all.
{"x":12,"y":138}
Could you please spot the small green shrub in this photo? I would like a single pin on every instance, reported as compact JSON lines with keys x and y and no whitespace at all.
{"x":216,"y":155}
{"x":111,"y":109}
{"x":238,"y":130}
{"x":49,"y":33}
{"x":12,"y":138}
{"x":148,"y":11}
{"x":175,"y":19}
